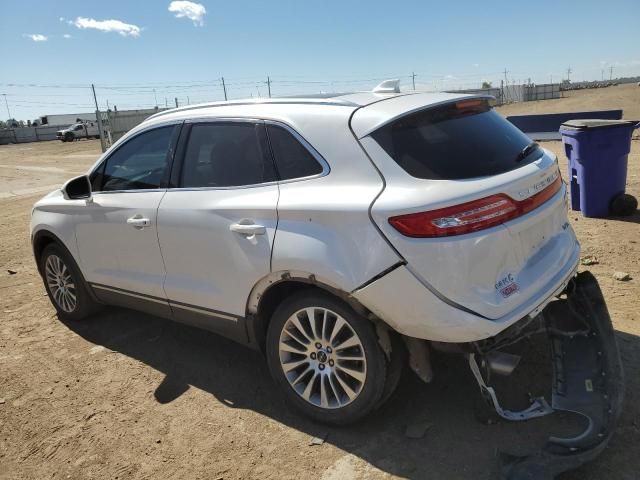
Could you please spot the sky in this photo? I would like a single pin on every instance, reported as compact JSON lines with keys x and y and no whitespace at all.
{"x":139,"y":53}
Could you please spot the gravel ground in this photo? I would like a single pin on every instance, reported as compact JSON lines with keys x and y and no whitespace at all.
{"x":126,"y":395}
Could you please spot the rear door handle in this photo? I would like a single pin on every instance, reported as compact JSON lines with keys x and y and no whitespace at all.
{"x":251,"y":229}
{"x":138,"y":221}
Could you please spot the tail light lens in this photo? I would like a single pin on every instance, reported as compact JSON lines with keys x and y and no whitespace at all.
{"x":471,"y":216}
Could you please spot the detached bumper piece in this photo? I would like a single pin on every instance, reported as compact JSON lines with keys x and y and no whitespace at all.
{"x":587,"y":380}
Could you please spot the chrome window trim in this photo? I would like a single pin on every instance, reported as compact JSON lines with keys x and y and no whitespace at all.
{"x":137,"y":190}
{"x":323,"y":163}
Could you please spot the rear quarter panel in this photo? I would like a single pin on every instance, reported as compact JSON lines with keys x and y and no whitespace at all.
{"x":324,"y":226}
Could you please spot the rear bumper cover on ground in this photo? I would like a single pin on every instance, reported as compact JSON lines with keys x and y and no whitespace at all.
{"x":587,"y":380}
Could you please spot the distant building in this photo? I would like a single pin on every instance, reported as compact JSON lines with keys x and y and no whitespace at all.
{"x":66,"y":119}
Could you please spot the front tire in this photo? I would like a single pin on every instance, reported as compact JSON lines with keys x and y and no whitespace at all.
{"x":65,"y":285}
{"x":326,"y":358}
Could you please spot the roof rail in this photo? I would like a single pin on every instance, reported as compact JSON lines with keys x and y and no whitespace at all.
{"x":279,"y":100}
{"x":388,"y":86}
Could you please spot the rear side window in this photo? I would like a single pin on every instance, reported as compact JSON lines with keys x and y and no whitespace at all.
{"x":293,"y":160}
{"x":140,"y":163}
{"x":456,"y":141}
{"x":226,"y":155}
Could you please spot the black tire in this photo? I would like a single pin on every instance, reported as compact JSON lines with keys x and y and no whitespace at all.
{"x":624,"y":205}
{"x":373,"y":387}
{"x":84,"y":304}
{"x":395,"y":368}
{"x":68,"y":137}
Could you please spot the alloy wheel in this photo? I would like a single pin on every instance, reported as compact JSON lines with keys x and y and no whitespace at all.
{"x":60,"y":284}
{"x":322,"y":357}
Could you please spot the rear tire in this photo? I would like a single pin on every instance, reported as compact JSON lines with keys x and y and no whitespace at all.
{"x":326,"y":358}
{"x":65,"y":285}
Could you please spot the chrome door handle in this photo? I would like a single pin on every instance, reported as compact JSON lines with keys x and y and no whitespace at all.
{"x":251,"y":229}
{"x":138,"y":221}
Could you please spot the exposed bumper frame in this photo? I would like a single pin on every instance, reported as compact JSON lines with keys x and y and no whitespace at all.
{"x":587,"y":380}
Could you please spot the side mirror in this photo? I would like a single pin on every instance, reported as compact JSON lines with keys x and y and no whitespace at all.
{"x":77,"y":188}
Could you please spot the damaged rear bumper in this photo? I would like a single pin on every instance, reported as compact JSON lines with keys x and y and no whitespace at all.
{"x":587,"y":380}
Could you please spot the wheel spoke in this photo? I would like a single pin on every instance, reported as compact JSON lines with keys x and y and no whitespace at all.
{"x":296,"y":323}
{"x":352,"y":341}
{"x":347,"y":389}
{"x":324,"y":401}
{"x":288,"y":366}
{"x":340,"y":323}
{"x":306,"y":394}
{"x":350,"y":356}
{"x":325,"y":325}
{"x":287,"y":347}
{"x":300,"y":376}
{"x":357,"y":374}
{"x":334,"y":390}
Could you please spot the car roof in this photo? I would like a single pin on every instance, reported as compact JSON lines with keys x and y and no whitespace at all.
{"x":372,"y":109}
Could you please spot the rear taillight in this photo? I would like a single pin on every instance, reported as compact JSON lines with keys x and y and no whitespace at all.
{"x":471,"y":216}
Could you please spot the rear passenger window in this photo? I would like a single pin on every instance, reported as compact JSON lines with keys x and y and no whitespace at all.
{"x":293,"y":160}
{"x":226,"y":155}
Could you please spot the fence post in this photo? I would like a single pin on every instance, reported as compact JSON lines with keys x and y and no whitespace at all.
{"x":99,"y":118}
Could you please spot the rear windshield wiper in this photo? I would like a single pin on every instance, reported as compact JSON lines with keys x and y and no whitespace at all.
{"x":524,"y":153}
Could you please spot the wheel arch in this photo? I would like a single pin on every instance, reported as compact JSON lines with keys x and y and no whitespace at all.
{"x":41,"y":239}
{"x":271,"y":290}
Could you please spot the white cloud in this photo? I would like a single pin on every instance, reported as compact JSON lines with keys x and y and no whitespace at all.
{"x":476,"y":65}
{"x":191,"y":10}
{"x":124,"y":29}
{"x":61,"y":19}
{"x":37,"y":37}
{"x":66,"y":35}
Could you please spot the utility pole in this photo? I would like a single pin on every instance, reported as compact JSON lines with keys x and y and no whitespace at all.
{"x":611,"y":73}
{"x":108,"y":105}
{"x":551,"y":79}
{"x":413,"y":79}
{"x":269,"y":85}
{"x":224,"y":88}
{"x":569,"y":75}
{"x":166,"y":105}
{"x":7,"y":104}
{"x":188,"y":101}
{"x":176,"y":99}
{"x":603,"y":74}
{"x":155,"y":97}
{"x":99,"y":118}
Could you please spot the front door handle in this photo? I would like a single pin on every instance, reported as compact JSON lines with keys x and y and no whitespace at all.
{"x":250,"y":229}
{"x":138,"y":222}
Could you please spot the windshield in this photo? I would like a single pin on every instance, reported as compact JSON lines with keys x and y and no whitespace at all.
{"x":456,"y":141}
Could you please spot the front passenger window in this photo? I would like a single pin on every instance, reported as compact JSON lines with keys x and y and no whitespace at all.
{"x":138,"y":164}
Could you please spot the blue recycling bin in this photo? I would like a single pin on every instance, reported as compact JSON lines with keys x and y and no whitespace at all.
{"x":597,"y":151}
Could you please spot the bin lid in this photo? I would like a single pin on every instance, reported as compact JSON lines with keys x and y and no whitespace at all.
{"x":584,"y":124}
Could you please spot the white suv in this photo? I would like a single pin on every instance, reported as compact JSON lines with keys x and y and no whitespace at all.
{"x":337,"y":234}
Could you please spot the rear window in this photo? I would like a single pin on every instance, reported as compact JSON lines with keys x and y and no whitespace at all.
{"x":462,"y":140}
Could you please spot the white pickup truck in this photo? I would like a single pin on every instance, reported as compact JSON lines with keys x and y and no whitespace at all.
{"x":78,"y":130}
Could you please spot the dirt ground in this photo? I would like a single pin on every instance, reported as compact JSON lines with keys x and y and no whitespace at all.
{"x":126,"y":395}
